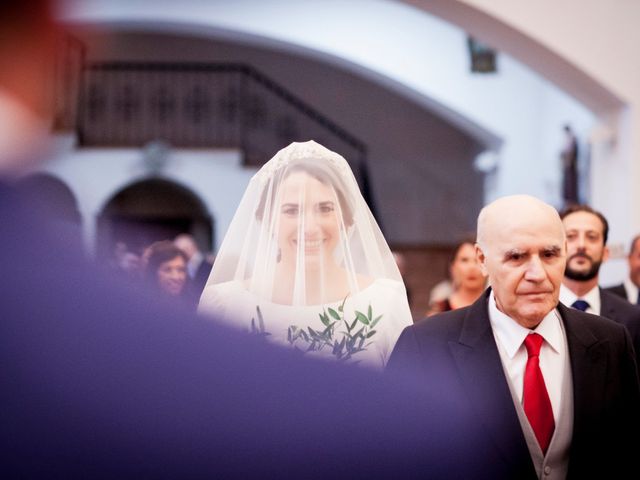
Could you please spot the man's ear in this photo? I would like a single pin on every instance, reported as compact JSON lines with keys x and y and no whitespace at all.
{"x":481,"y":260}
{"x":605,"y":254}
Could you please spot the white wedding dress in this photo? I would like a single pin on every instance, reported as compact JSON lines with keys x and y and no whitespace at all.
{"x":233,"y":304}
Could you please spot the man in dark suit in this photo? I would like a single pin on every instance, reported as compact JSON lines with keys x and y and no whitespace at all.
{"x":587,"y":232}
{"x":99,"y":381}
{"x":630,"y":288}
{"x":550,"y":391}
{"x":198,"y":267}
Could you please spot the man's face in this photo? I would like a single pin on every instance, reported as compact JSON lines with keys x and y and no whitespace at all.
{"x":634,"y":264}
{"x":525,"y":260}
{"x":585,"y":246}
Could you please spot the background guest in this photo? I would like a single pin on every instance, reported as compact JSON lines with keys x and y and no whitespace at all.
{"x":587,"y":232}
{"x":467,"y":280}
{"x":166,"y":268}
{"x":198,"y":266}
{"x":630,"y":288}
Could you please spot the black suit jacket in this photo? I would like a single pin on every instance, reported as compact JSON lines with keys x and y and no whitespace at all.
{"x":606,"y":391}
{"x":195,"y":285}
{"x":618,"y":290}
{"x":621,"y":311}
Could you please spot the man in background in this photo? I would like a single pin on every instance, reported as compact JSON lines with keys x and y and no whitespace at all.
{"x":587,"y":232}
{"x":198,"y":267}
{"x":630,"y":288}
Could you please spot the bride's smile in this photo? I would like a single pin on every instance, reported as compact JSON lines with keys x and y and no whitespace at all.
{"x":307,"y":212}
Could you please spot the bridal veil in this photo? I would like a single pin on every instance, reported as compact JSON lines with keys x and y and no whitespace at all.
{"x":304,"y":238}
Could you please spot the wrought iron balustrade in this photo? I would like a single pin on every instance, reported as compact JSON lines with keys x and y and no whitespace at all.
{"x":200,"y":105}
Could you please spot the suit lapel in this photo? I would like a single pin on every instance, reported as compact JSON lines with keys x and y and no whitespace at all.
{"x":606,"y":309}
{"x":588,"y":367}
{"x":478,"y":362}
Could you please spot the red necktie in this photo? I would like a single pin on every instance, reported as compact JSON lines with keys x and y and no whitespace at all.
{"x":537,"y":405}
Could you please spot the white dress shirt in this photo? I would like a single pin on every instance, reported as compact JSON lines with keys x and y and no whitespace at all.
{"x":632,"y":290}
{"x":510,"y":337}
{"x":592,"y":297}
{"x":194,"y":263}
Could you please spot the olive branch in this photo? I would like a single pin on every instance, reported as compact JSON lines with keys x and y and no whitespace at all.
{"x":345,"y":342}
{"x":259,"y":328}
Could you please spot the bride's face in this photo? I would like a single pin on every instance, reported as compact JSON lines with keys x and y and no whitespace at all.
{"x":310,"y":207}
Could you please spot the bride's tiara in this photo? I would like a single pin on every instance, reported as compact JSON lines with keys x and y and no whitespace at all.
{"x":300,"y":151}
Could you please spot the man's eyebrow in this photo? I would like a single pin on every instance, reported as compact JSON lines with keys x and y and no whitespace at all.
{"x":552,"y":249}
{"x":513,"y":251}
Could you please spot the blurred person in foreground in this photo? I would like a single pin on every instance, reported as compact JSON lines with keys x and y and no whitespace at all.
{"x":467,"y":280}
{"x":587,"y":231}
{"x":100,"y":381}
{"x":552,"y":391}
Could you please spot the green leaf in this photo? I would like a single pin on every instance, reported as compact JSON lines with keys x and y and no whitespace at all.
{"x":316,"y":336}
{"x":353,"y":325}
{"x":369,"y":313}
{"x":375,"y":321}
{"x":371,"y":333}
{"x":324,"y":319}
{"x":333,"y":313}
{"x":362,"y":318}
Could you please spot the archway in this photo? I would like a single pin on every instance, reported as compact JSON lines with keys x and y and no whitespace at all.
{"x":151,"y":210}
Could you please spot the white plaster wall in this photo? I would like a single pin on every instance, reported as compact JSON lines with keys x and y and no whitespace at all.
{"x":96,"y":175}
{"x":397,"y":45}
{"x":601,"y":39}
{"x":420,"y":167}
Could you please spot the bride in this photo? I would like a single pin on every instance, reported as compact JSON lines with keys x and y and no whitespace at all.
{"x":304,"y":263}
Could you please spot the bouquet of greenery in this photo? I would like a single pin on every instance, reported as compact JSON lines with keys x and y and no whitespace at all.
{"x":343,"y":337}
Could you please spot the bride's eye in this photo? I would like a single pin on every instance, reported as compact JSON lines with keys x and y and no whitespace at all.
{"x":290,"y":210}
{"x":325,"y":207}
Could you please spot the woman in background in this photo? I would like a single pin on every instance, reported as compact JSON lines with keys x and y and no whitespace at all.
{"x":467,"y":280}
{"x":166,"y":269}
{"x":304,"y":263}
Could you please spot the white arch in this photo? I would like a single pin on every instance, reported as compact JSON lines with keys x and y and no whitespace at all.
{"x":516,"y":113}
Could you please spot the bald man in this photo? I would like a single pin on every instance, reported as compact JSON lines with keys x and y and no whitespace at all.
{"x":552,"y":391}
